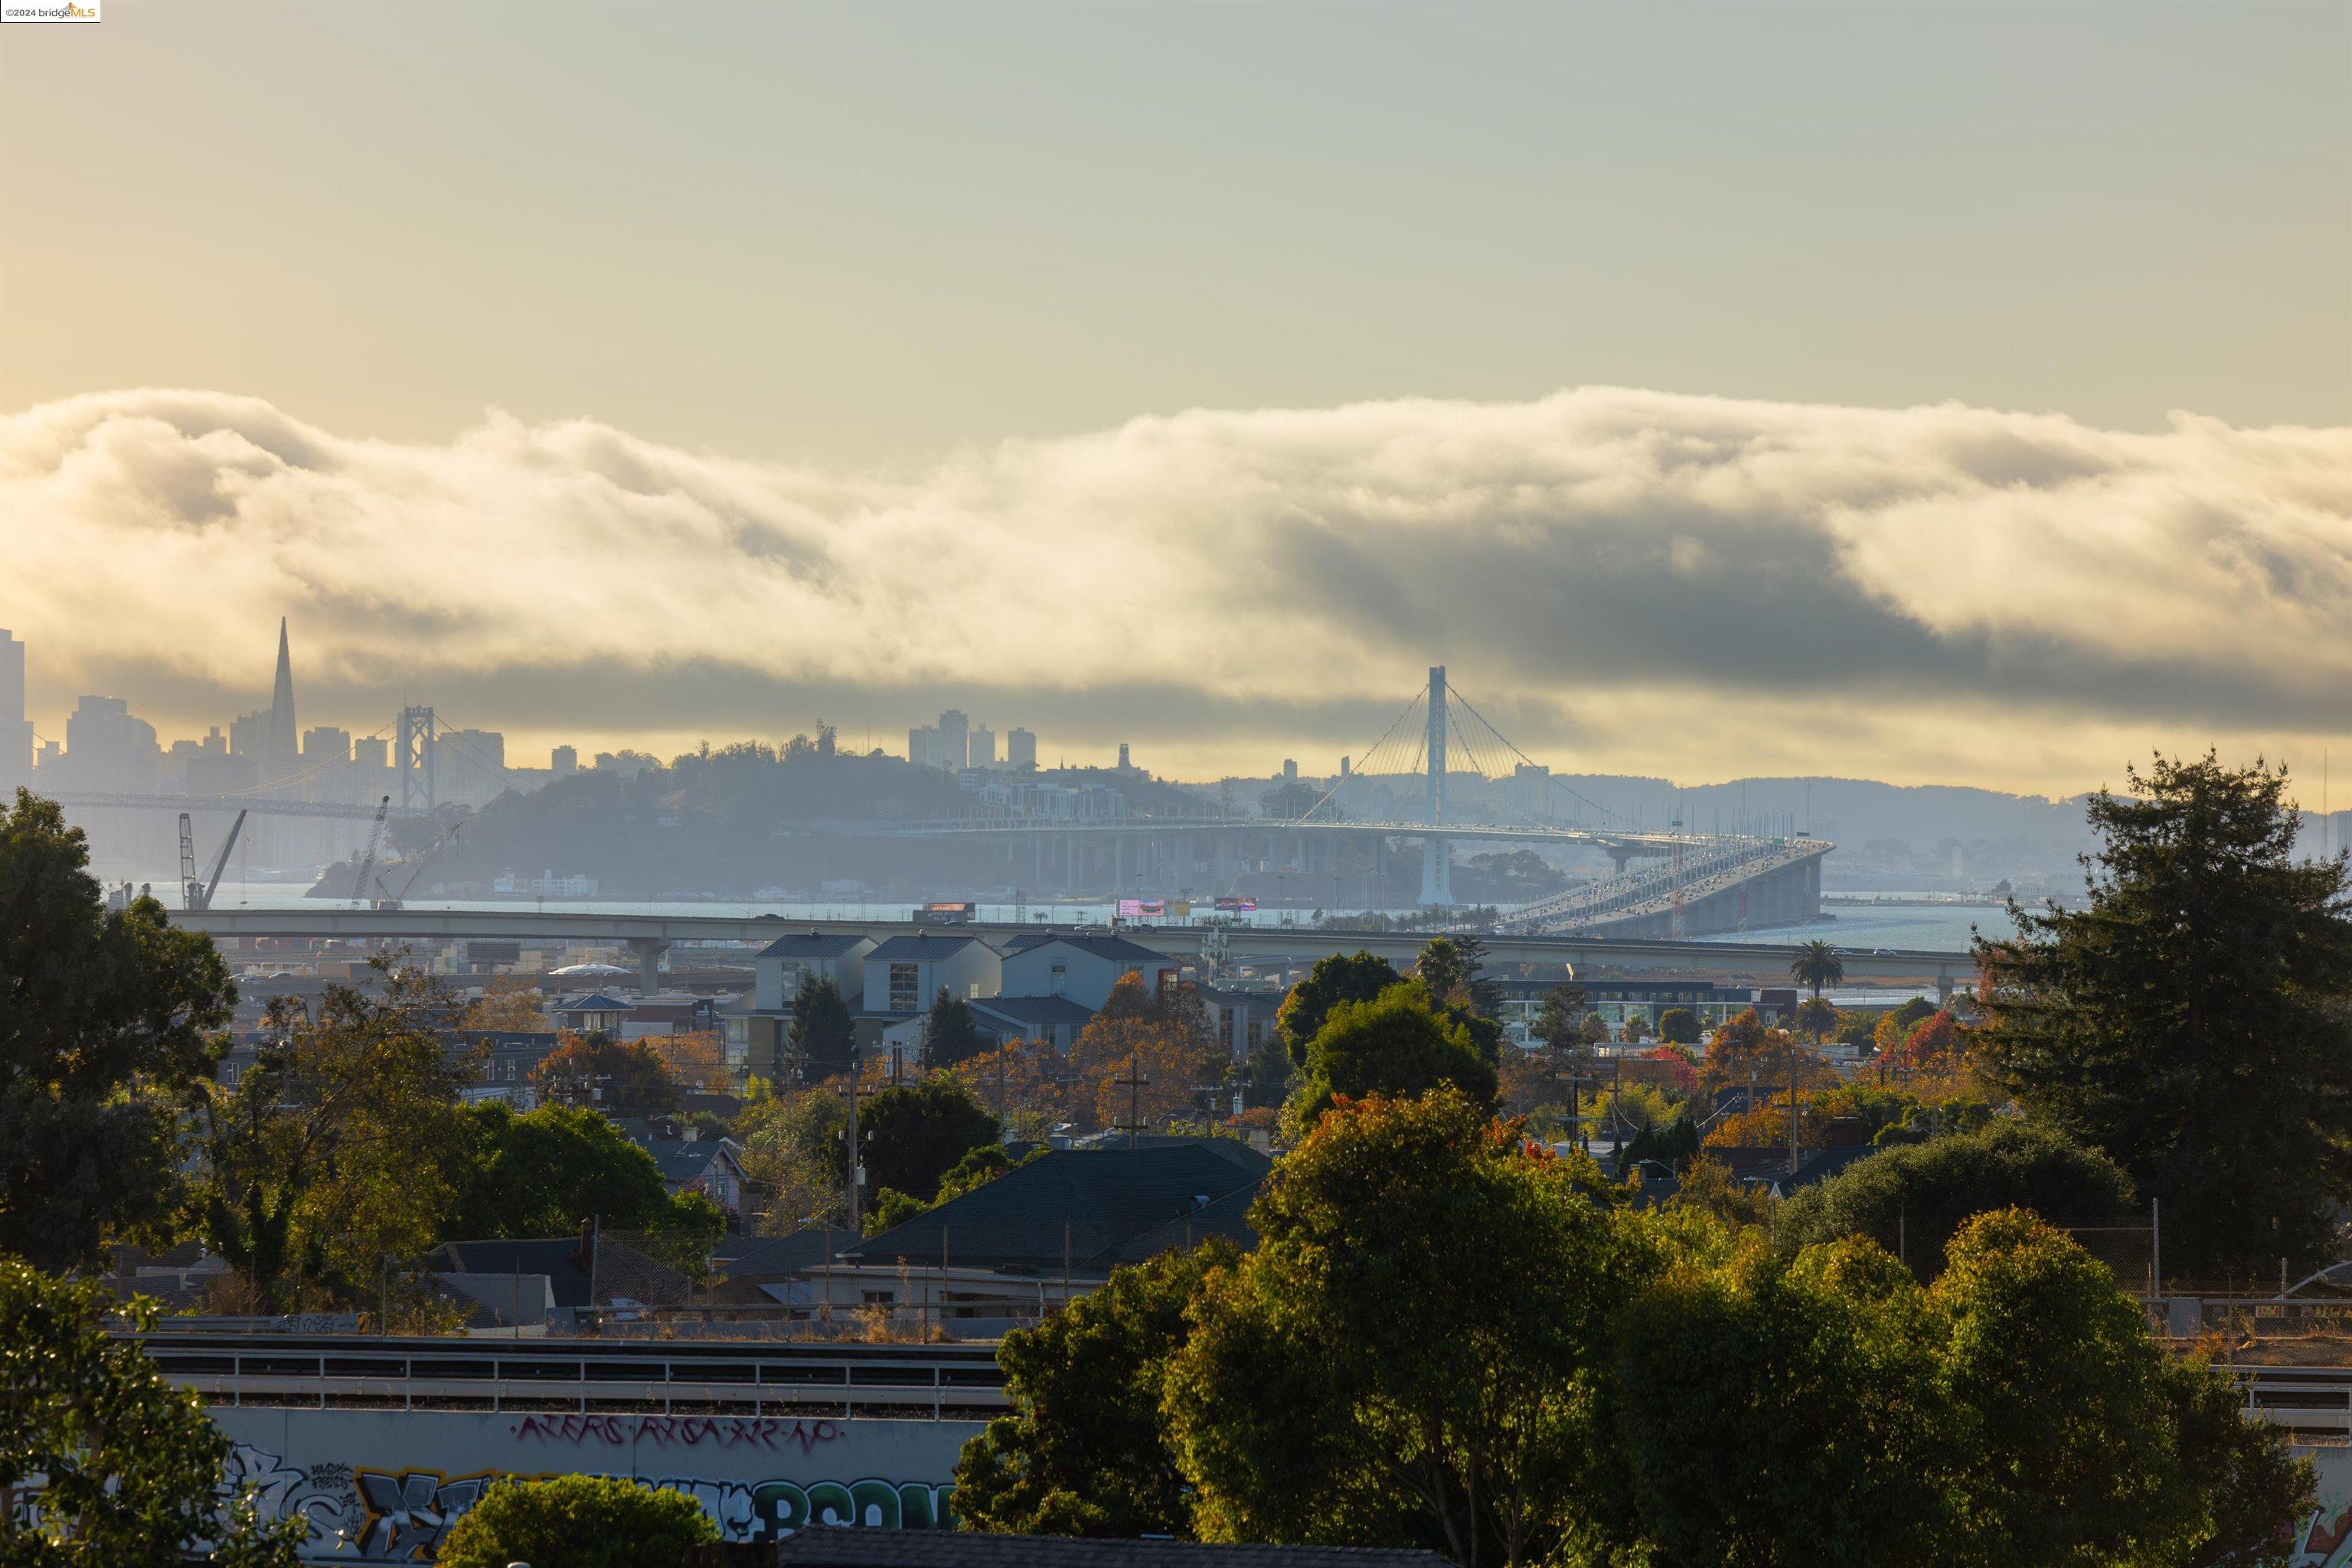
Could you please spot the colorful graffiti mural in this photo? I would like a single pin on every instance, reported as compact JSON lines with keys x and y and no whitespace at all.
{"x":386,"y":1487}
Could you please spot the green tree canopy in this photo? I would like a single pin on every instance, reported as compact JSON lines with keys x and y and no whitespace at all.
{"x":1912,"y":1198}
{"x":2083,"y":1439}
{"x":949,"y":1034}
{"x":1335,"y":978}
{"x":545,"y":1172}
{"x":1395,"y":1045}
{"x":577,"y":1521}
{"x":1889,"y":1028}
{"x":1785,"y":1412}
{"x":1453,"y":969}
{"x":1679,"y":1026}
{"x":1085,"y":1451}
{"x":823,"y":1034}
{"x":911,"y":1136}
{"x":1306,"y":1406}
{"x":2191,"y":1021}
{"x":340,"y":1146}
{"x":128,"y":1466}
{"x":106,"y":1038}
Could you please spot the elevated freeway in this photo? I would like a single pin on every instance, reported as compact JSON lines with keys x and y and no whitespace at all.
{"x":648,"y":935}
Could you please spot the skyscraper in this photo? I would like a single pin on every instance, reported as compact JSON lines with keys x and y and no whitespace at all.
{"x":280,"y":742}
{"x":15,"y":730}
{"x":955,"y":735}
{"x":1020,"y":749}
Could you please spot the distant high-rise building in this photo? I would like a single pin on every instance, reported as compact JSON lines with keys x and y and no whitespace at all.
{"x":279,"y":758}
{"x":1124,"y":765}
{"x":1290,"y":769}
{"x":563,"y":760}
{"x":16,"y":730}
{"x":981,"y":751}
{"x":473,"y":766}
{"x":371,"y":754}
{"x":1020,"y":749}
{"x":109,"y":750}
{"x":326,"y":743}
{"x":923,"y":746}
{"x":248,"y":736}
{"x":955,"y":738}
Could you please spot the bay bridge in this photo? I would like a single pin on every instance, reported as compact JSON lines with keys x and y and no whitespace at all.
{"x":1664,"y":885}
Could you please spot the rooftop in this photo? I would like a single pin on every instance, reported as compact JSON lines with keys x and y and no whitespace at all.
{"x":811,"y":945}
{"x":1111,"y":947}
{"x":1091,"y":1206}
{"x":921,"y":947}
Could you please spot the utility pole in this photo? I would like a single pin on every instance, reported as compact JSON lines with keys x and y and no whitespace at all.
{"x":1135,"y":1082}
{"x":1792,"y":1107}
{"x":853,"y":1136}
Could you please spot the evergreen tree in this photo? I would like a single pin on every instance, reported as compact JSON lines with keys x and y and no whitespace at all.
{"x":822,"y":1035}
{"x":106,"y":1037}
{"x":2195,"y":1021}
{"x":950,"y":1036}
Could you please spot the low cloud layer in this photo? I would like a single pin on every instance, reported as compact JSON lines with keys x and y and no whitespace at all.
{"x":1622,"y":579}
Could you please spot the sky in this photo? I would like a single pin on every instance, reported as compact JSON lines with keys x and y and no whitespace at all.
{"x":1935,"y":395}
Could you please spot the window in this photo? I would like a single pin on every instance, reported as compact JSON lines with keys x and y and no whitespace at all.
{"x":1058,"y":980}
{"x":1256,"y":1030}
{"x":905,"y":987}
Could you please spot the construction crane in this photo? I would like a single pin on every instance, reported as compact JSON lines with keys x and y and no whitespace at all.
{"x":415,"y":864}
{"x":367,"y":857}
{"x":194,"y":894}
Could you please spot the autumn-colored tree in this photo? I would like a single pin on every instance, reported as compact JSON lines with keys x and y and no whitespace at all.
{"x":1935,"y":1044}
{"x":1159,"y":1038}
{"x":1028,"y":1083}
{"x":695,"y":1059}
{"x":507,"y":1003}
{"x":1888,"y":1034}
{"x":1745,"y":1049}
{"x":594,"y":1069}
{"x":1767,"y":1126}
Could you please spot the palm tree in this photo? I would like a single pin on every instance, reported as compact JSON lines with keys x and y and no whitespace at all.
{"x":1817,"y":964}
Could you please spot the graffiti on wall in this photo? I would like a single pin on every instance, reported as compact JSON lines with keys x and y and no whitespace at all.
{"x":357,"y":1514}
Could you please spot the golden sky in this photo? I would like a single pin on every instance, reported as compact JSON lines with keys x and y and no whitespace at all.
{"x":1906,"y":392}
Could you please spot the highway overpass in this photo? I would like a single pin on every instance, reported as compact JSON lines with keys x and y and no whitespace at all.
{"x":649,"y":935}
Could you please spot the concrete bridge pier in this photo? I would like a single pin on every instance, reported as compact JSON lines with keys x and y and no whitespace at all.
{"x":1436,"y":874}
{"x":649,"y":951}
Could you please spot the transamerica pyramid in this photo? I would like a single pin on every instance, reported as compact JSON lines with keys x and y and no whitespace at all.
{"x":283,"y":741}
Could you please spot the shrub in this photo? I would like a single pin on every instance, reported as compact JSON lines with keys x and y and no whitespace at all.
{"x":577,"y":1521}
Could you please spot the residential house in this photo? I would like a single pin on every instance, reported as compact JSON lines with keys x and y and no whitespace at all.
{"x":596,"y":1012}
{"x":1082,"y":968}
{"x":1057,"y":1019}
{"x":904,"y":973}
{"x":757,"y":1024}
{"x":1244,"y":1018}
{"x":1049,"y":1231}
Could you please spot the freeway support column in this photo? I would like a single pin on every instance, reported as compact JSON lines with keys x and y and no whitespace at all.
{"x":1437,"y":858}
{"x":649,"y":951}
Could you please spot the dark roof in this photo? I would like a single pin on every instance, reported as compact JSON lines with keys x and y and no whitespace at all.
{"x":598,"y":1002}
{"x":1771,"y":1164}
{"x":778,"y":1257}
{"x":814,"y":944}
{"x":558,"y":1258}
{"x":1228,"y":1217}
{"x":1106,"y":1199}
{"x":1031,"y":1010}
{"x":1112,"y":947}
{"x":683,"y":1162}
{"x":921,"y":945}
{"x":860,"y":1546}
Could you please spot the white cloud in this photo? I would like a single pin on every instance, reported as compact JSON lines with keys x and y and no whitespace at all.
{"x":1582,"y":561}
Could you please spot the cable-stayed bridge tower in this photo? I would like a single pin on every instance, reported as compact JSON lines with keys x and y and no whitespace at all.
{"x":1436,"y":854}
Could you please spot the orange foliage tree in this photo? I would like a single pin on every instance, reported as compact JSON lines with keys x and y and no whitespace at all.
{"x":695,"y":1060}
{"x":1167,"y":1038}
